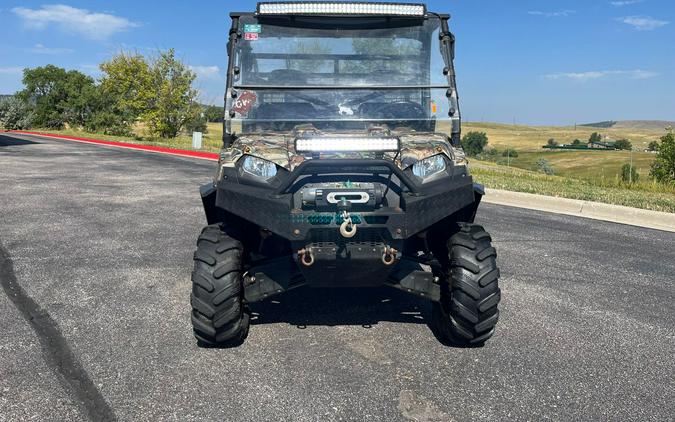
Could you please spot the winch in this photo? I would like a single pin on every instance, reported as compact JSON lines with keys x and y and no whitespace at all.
{"x":327,"y":196}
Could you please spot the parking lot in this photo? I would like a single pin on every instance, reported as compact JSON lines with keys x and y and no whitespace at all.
{"x":96,"y":251}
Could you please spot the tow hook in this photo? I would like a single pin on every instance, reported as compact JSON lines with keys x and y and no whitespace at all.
{"x":306,"y":257}
{"x":389,"y":255}
{"x":347,"y":228}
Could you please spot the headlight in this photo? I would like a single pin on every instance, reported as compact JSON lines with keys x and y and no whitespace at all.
{"x":259,"y":167}
{"x":429,"y":166}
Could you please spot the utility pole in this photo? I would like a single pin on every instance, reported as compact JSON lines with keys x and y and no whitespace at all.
{"x":630,"y":170}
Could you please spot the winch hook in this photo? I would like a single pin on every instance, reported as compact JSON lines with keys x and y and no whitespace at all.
{"x":347,"y":228}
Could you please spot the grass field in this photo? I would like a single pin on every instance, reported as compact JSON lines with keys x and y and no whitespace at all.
{"x":593,"y":165}
{"x":532,"y":138}
{"x":589,"y":165}
{"x":647,"y":196}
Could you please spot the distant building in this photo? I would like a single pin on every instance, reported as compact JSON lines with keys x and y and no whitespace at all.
{"x":601,"y":145}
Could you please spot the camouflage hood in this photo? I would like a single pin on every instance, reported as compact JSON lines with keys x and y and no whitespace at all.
{"x":279,"y":148}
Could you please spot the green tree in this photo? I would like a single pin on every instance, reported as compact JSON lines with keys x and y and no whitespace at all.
{"x":576,"y":142}
{"x":174,"y":102}
{"x":127,"y":83}
{"x":623,"y":144}
{"x":629,"y":174}
{"x":44,"y":87}
{"x":197,"y":124}
{"x":214,"y":113}
{"x":552,"y":143}
{"x":653,"y":146}
{"x":663,"y":168}
{"x":595,"y":137}
{"x":59,"y":96}
{"x":83,"y":99}
{"x":15,"y":114}
{"x":474,"y":142}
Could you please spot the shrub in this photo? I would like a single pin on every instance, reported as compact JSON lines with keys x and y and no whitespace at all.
{"x":108,"y":123}
{"x":595,"y":137}
{"x":552,"y":143}
{"x":663,"y":168}
{"x":629,"y":174}
{"x":623,"y":144}
{"x":653,"y":146}
{"x":197,"y":124}
{"x":544,"y":166}
{"x":16,"y":114}
{"x":510,"y":153}
{"x":490,"y":154}
{"x":474,"y":143}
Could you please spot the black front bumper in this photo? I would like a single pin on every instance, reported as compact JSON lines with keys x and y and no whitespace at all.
{"x":271,"y":207}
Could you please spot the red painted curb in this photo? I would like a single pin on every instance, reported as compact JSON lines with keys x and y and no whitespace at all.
{"x":151,"y":148}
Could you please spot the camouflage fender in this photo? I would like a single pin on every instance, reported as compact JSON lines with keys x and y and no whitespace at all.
{"x":279,"y":148}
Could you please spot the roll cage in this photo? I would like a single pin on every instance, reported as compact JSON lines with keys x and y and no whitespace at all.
{"x":447,"y":42}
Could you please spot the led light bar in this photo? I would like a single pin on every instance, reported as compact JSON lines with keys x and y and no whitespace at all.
{"x":338,"y":8}
{"x":346,"y":144}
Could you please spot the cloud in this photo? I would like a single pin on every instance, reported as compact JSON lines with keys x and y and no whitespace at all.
{"x":643,"y":23}
{"x":41,"y":49}
{"x":625,"y":2}
{"x":13,"y":70}
{"x":559,"y":13}
{"x":96,"y":26}
{"x":206,"y":72}
{"x":599,"y":74}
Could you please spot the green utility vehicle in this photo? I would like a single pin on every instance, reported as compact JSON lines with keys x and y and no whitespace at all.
{"x":341,"y":166}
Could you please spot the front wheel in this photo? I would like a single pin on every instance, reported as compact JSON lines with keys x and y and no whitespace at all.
{"x":467,"y":313}
{"x":219,"y":315}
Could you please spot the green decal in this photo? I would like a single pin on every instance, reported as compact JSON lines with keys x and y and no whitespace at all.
{"x":253,"y":27}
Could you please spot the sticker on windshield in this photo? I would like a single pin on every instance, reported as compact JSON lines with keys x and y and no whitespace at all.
{"x":251,"y":36}
{"x":244,"y":102}
{"x":253,"y":27}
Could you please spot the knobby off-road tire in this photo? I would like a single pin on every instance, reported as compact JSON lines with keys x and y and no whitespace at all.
{"x":220,"y":317}
{"x":467,"y":313}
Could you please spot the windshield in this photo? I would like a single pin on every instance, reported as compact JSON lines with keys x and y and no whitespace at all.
{"x":339,"y":77}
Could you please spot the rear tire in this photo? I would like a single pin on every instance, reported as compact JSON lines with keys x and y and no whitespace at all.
{"x":220,"y":317}
{"x":467,"y":313}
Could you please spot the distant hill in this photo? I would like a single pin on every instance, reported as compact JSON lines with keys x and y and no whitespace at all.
{"x":650,"y":125}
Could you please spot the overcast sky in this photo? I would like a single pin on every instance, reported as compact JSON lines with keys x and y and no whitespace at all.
{"x":539,"y":62}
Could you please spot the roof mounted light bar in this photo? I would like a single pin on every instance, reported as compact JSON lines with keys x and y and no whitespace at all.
{"x":347,"y":144}
{"x":341,"y":8}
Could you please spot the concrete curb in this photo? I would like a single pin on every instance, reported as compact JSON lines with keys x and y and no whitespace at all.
{"x":578,"y":208}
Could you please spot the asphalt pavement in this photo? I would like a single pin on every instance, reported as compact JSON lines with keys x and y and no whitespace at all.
{"x":96,"y":249}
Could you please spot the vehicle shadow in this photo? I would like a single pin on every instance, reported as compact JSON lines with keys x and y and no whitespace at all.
{"x":8,"y":141}
{"x":366,"y":307}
